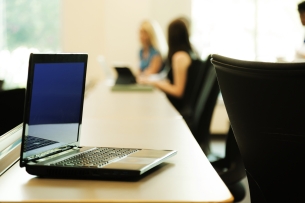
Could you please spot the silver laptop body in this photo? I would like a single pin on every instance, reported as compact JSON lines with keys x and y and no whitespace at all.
{"x":51,"y":128}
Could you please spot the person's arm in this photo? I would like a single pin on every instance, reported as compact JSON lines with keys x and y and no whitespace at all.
{"x":180,"y":64}
{"x":154,"y":66}
{"x":139,"y":71}
{"x":300,"y":54}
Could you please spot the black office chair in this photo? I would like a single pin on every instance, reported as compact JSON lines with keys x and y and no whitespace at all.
{"x":1,"y":84}
{"x":198,"y":102}
{"x":265,"y":103}
{"x":192,"y":88}
{"x":11,"y":109}
{"x":231,"y":168}
{"x":200,"y":120}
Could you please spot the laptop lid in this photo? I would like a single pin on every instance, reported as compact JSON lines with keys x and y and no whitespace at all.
{"x":125,"y":76}
{"x":53,"y":104}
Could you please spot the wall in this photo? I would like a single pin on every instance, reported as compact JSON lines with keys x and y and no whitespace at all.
{"x":110,"y":28}
{"x":83,"y":30}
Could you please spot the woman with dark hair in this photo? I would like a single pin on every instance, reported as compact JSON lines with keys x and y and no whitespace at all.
{"x":179,"y":60}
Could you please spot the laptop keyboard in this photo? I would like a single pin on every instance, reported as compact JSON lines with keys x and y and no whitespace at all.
{"x":32,"y":142}
{"x":97,"y":157}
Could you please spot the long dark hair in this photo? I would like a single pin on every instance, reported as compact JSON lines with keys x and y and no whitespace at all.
{"x":178,"y":39}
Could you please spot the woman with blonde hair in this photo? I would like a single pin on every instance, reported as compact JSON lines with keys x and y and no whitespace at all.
{"x":153,"y":47}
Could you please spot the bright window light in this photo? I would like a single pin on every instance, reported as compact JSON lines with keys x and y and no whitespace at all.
{"x":26,"y":27}
{"x":265,"y":30}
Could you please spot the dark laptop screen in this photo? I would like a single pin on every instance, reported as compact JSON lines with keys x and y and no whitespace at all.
{"x":55,"y":108}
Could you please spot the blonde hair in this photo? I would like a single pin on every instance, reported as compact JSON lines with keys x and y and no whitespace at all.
{"x":156,"y":36}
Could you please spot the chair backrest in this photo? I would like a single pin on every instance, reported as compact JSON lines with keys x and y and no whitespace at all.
{"x":11,"y":109}
{"x":265,"y":103}
{"x":195,"y":79}
{"x":203,"y":68}
{"x":1,"y":84}
{"x":200,"y":121}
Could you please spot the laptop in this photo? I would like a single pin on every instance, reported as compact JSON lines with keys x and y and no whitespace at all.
{"x":52,"y":125}
{"x":126,"y":81}
{"x":125,"y":76}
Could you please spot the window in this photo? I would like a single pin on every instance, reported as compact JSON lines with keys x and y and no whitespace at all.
{"x":25,"y":27}
{"x":265,"y":30}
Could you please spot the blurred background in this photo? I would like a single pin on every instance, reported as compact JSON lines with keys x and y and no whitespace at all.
{"x":108,"y":30}
{"x":265,"y":30}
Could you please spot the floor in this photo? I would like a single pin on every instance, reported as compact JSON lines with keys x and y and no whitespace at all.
{"x":218,"y":148}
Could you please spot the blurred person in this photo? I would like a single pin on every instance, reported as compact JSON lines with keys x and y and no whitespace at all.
{"x":188,"y":23}
{"x":301,"y":9}
{"x":179,"y":62}
{"x":153,"y":47}
{"x":300,"y":53}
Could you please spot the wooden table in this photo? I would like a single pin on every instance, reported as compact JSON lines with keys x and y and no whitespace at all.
{"x":102,"y":103}
{"x":186,"y":177}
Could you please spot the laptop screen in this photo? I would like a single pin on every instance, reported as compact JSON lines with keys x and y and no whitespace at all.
{"x":54,"y":106}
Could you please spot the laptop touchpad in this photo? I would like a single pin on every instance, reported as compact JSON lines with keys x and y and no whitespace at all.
{"x":139,"y":160}
{"x":131,"y":163}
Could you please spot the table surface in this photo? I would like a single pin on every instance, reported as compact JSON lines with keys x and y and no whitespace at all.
{"x":109,"y":121}
{"x":102,"y":103}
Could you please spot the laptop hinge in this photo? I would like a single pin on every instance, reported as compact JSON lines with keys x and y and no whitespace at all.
{"x":50,"y":152}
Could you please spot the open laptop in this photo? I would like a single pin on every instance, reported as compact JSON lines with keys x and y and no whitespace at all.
{"x":125,"y":76}
{"x":52,"y":125}
{"x":126,"y":81}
